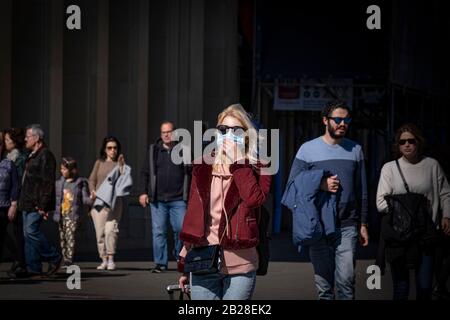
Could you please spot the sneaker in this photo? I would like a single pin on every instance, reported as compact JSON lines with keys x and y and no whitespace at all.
{"x":102,"y":266}
{"x":36,"y":276}
{"x":14,"y":266}
{"x":111,"y":266}
{"x":158,"y":269}
{"x":54,"y":267}
{"x":18,"y":273}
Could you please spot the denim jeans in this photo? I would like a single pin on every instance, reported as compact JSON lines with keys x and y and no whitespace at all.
{"x":333,"y":259}
{"x":37,"y":247}
{"x":162,"y":213}
{"x":424,"y":279}
{"x":218,"y":286}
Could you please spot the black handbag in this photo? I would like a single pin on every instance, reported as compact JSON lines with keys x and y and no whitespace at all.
{"x":202,"y":260}
{"x":408,"y":219}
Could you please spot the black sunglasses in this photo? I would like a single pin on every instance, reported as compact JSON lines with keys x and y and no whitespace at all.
{"x":410,"y":141}
{"x":223,"y":129}
{"x":338,"y":120}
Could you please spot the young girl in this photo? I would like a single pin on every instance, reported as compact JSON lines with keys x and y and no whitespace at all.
{"x":72,"y":193}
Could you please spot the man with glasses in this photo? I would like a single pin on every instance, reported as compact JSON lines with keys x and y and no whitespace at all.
{"x":165,"y":186}
{"x":37,"y":199}
{"x":342,"y":163}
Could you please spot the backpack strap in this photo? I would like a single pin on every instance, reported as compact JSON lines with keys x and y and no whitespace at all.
{"x":403,"y":177}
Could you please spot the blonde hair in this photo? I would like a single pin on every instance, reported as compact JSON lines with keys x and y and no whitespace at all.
{"x":238,"y":112}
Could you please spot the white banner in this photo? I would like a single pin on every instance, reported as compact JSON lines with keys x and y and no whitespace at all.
{"x":311,"y":95}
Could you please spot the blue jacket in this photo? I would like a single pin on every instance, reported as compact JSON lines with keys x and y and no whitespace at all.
{"x":116,"y":184}
{"x":313,"y":210}
{"x":9,"y":183}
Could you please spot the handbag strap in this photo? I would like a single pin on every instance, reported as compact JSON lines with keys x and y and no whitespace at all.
{"x":403,"y":177}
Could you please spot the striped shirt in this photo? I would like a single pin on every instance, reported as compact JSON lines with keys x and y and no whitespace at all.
{"x":346,"y":160}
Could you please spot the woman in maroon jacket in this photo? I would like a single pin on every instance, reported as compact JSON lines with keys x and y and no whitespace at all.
{"x":227,"y":188}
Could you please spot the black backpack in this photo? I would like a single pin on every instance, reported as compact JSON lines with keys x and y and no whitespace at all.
{"x":408,"y":219}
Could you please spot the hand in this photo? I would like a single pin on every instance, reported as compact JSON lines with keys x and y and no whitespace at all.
{"x":446,"y":226}
{"x":121,"y":160}
{"x":233,"y":151}
{"x":12,"y":212}
{"x":143,"y":200}
{"x":364,"y":236}
{"x":184,"y":280}
{"x":330,"y":184}
{"x":93,"y":195}
{"x":42,"y":213}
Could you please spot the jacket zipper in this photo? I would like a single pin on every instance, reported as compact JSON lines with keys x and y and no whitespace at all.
{"x":201,"y":202}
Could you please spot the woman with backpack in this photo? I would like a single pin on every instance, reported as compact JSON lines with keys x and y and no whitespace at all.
{"x":220,"y":229}
{"x":413,"y":175}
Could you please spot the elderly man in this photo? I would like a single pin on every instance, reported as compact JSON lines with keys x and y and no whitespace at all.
{"x":36,"y":199}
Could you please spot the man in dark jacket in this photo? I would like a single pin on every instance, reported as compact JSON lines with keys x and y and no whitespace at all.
{"x":36,"y":199}
{"x":165,"y":186}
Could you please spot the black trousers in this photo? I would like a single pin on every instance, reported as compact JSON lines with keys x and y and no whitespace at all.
{"x":442,"y":257}
{"x":14,"y":242}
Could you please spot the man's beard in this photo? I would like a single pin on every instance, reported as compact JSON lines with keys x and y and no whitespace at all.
{"x":333,"y":134}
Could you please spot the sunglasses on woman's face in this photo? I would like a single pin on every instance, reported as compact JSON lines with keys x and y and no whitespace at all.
{"x":223,"y":129}
{"x":111,"y":148}
{"x":410,"y":141}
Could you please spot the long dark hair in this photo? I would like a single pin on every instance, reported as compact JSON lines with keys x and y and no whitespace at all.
{"x":105,"y":142}
{"x":416,"y":132}
{"x":17,"y":135}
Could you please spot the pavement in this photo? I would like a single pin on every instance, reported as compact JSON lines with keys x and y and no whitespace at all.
{"x":290,"y":277}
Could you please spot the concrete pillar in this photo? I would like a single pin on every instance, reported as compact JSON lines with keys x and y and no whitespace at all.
{"x":221,"y":85}
{"x":55,"y":87}
{"x":142,"y":87}
{"x":5,"y":63}
{"x":193,"y":44}
{"x":30,"y":64}
{"x":102,"y":73}
{"x":176,"y":63}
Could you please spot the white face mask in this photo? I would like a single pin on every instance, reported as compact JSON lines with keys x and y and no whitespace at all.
{"x":230,"y":136}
